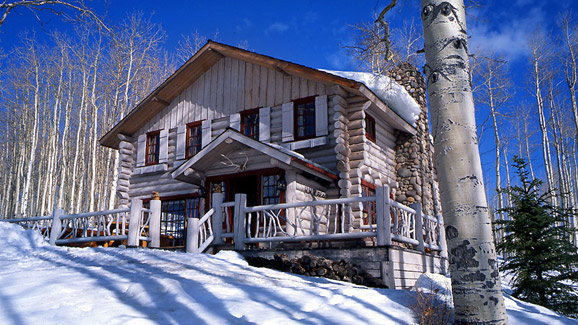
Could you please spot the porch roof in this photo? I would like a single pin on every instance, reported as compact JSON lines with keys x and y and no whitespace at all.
{"x":195,"y":169}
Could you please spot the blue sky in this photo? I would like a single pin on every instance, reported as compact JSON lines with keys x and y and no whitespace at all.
{"x":312,"y":33}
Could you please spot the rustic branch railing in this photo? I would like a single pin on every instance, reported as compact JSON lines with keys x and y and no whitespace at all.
{"x":200,"y":233}
{"x":42,"y":224}
{"x":93,"y":226}
{"x":130,"y":224}
{"x":336,"y":219}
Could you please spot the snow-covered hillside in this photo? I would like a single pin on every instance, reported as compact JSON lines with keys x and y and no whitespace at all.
{"x":40,"y":284}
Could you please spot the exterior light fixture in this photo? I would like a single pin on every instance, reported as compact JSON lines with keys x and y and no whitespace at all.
{"x":281,"y":184}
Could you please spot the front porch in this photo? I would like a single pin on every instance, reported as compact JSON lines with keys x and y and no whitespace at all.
{"x":391,"y":241}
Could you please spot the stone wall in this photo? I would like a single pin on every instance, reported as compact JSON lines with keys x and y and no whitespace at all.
{"x":416,"y":175}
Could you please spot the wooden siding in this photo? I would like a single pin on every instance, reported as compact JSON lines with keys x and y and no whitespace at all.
{"x":231,"y":86}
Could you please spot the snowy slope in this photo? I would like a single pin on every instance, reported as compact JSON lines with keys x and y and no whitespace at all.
{"x":40,"y":284}
{"x":392,"y":93}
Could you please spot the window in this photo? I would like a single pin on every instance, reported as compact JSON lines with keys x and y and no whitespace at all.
{"x":304,"y":118}
{"x":370,"y":128}
{"x":250,"y":123}
{"x":271,"y":192}
{"x":369,"y":208}
{"x":174,"y":214}
{"x":152,"y":148}
{"x":194,"y":139}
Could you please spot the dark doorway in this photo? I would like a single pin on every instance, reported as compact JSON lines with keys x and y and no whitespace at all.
{"x":247,"y":185}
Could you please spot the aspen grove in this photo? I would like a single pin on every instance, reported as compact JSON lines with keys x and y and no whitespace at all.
{"x":58,"y":98}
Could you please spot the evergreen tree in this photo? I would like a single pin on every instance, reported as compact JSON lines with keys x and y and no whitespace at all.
{"x":537,"y":241}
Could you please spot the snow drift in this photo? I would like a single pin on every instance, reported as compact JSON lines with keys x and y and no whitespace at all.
{"x":42,"y":284}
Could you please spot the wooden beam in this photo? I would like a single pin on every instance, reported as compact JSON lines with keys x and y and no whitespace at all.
{"x":161,"y":101}
{"x":285,"y":73}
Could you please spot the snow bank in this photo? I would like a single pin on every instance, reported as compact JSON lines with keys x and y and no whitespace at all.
{"x":392,"y":93}
{"x":17,"y":242}
{"x":42,"y":284}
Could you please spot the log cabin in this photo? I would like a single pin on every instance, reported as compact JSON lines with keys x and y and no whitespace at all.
{"x":234,"y":121}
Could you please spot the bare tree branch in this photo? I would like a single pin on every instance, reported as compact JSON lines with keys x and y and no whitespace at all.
{"x":34,"y":5}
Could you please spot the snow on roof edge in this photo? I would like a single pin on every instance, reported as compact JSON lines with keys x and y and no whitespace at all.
{"x":388,"y":90}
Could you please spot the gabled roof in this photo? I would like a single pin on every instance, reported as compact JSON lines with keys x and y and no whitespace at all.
{"x":194,"y":170}
{"x":203,"y":60}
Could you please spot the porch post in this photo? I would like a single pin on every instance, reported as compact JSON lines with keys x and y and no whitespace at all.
{"x":239,"y":221}
{"x":418,"y":226}
{"x":383,"y":208}
{"x":192,"y":235}
{"x":155,"y":221}
{"x":217,"y":218}
{"x":442,"y":237}
{"x":56,"y":226}
{"x":134,"y":222}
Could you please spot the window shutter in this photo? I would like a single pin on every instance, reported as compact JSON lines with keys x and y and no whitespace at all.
{"x":235,"y":121}
{"x":181,"y":142}
{"x":265,"y":124}
{"x":206,"y":133}
{"x":321,"y":115}
{"x":141,"y":150}
{"x":164,"y":146}
{"x":287,"y":132}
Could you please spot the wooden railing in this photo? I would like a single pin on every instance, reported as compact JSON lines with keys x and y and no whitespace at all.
{"x":337,"y":219}
{"x":130,"y":224}
{"x":235,"y":222}
{"x":200,"y":233}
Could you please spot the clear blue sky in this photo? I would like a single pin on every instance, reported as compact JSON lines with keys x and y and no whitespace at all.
{"x":312,"y":32}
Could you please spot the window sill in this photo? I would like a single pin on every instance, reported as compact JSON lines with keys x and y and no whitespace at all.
{"x":303,"y":144}
{"x":151,"y":169}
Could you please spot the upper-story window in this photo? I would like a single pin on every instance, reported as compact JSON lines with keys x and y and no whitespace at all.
{"x":304,"y":111}
{"x":194,"y":139}
{"x":370,"y":128}
{"x":153,"y":148}
{"x":250,"y":123}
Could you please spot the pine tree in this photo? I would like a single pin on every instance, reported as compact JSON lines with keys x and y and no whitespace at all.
{"x":542,"y":259}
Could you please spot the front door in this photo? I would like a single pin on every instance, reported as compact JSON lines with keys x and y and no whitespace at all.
{"x":247,"y":185}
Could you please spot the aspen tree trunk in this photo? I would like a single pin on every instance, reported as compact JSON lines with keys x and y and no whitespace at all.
{"x":473,"y":262}
{"x":65,"y":141}
{"x":77,"y":151}
{"x":538,"y":49}
{"x":94,"y":134}
{"x":34,"y":134}
{"x":527,"y":147}
{"x":508,"y":180}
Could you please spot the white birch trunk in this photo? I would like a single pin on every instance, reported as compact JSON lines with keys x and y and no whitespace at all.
{"x":473,"y":262}
{"x":34,"y":134}
{"x":537,"y":82}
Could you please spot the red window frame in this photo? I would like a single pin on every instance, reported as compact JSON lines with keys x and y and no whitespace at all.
{"x":194,"y":141}
{"x":152,"y":148}
{"x":370,"y":128}
{"x":304,"y":118}
{"x":369,"y":208}
{"x":250,"y":123}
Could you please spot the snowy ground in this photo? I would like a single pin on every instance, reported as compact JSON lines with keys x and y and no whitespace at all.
{"x":40,"y":284}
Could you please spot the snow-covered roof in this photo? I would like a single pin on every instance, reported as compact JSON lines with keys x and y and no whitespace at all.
{"x":392,"y":93}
